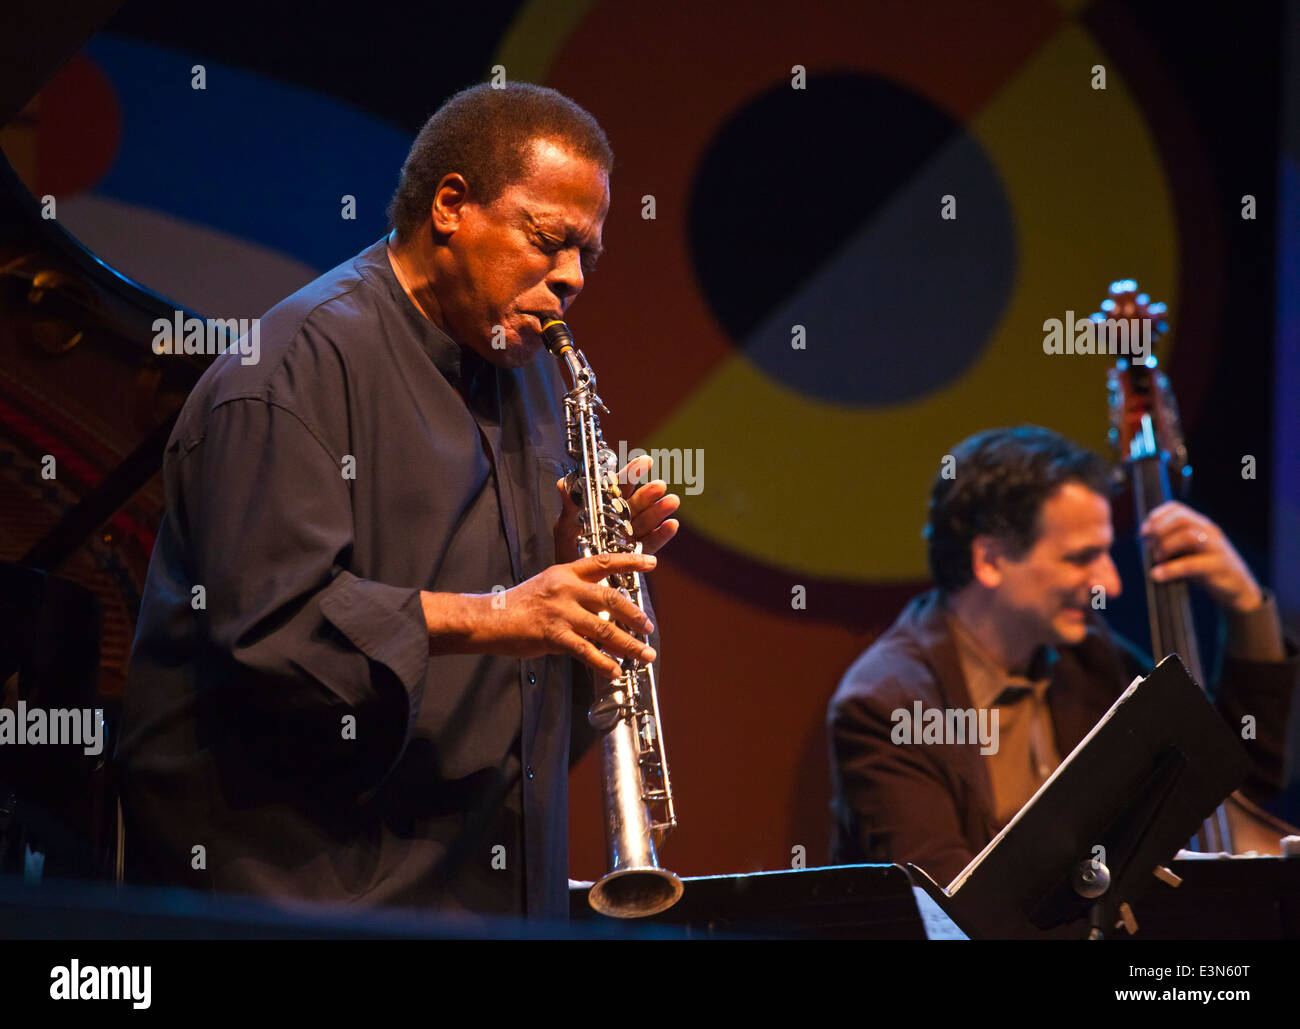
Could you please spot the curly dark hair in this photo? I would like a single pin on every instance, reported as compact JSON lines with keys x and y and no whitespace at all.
{"x":1002,"y":477}
{"x":484,"y":133}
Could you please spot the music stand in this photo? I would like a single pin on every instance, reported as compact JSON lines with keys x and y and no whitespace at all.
{"x":1137,"y":786}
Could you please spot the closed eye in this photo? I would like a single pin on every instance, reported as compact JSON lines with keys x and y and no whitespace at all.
{"x":550,"y":246}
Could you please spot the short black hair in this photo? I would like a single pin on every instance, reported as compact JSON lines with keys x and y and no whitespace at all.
{"x":484,"y":133}
{"x":995,"y":486}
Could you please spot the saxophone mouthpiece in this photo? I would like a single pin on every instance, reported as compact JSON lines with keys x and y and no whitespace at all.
{"x":557,"y":337}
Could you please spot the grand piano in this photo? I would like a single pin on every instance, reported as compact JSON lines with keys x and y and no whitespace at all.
{"x":85,"y":410}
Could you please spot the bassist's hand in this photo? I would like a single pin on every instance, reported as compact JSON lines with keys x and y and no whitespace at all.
{"x":1187,"y":545}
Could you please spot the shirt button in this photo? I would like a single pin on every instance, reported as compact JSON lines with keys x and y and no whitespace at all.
{"x":532,"y":679}
{"x":529,"y":771}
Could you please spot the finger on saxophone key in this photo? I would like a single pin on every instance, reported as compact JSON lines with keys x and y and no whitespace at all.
{"x":646,"y":625}
{"x":630,"y":646}
{"x":609,"y":604}
{"x":602,"y":566}
{"x":610,"y":636}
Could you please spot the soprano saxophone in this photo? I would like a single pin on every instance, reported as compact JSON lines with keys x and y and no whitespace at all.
{"x":638,"y":796}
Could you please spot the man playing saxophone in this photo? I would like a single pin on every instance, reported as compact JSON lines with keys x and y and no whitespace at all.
{"x":352,"y":678}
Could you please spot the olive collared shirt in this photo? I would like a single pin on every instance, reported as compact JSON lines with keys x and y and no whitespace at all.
{"x":1026,"y":753}
{"x":286,"y":731}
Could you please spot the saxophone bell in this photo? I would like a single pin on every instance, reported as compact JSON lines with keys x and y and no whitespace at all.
{"x":636,"y":886}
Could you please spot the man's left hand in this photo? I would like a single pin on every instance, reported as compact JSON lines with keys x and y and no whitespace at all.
{"x":650,"y":504}
{"x":1187,"y":545}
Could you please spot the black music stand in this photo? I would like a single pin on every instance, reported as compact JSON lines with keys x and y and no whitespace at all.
{"x":1137,"y":786}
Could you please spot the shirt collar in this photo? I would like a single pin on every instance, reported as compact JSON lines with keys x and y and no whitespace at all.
{"x":986,"y":679}
{"x":443,"y":351}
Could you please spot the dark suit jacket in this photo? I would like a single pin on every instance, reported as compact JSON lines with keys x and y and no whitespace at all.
{"x":933,"y":805}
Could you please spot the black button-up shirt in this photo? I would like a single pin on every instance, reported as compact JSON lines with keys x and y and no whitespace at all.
{"x":286,"y":731}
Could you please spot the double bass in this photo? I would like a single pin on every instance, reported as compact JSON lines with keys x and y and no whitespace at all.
{"x":1147,"y":435}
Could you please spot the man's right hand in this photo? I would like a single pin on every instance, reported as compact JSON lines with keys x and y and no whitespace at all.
{"x":555,"y":612}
